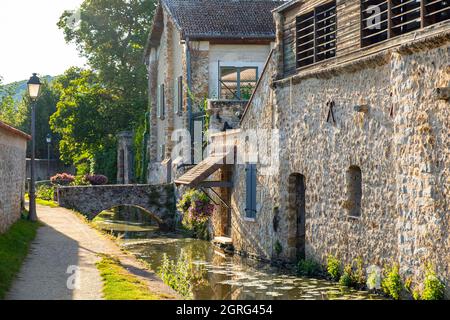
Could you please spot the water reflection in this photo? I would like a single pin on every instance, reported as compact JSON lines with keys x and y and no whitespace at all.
{"x":214,"y":275}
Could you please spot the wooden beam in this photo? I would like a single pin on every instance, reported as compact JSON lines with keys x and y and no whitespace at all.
{"x":218,"y":196}
{"x":216,"y":184}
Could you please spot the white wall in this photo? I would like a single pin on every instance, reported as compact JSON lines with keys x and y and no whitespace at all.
{"x":236,"y":55}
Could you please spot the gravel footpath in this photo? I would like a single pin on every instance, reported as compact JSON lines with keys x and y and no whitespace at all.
{"x":61,"y":262}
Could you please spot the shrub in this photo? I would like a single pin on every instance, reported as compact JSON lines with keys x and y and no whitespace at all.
{"x":62,"y":179}
{"x":309,"y":268}
{"x":334,"y":267}
{"x":178,"y":275}
{"x":359,"y":275}
{"x":45,"y":192}
{"x":196,"y":208}
{"x":392,"y":282}
{"x":347,"y":278}
{"x":97,"y":179}
{"x":81,"y":180}
{"x":433,"y":288}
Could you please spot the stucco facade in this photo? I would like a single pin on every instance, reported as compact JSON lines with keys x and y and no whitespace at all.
{"x":372,"y":109}
{"x":13,"y":146}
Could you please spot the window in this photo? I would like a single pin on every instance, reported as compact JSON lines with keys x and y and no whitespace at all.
{"x":316,"y":35}
{"x":383,"y":19}
{"x":179,"y":95}
{"x":250,"y":181}
{"x":162,"y":152}
{"x":237,"y":83}
{"x":354,"y":191}
{"x":161,"y":102}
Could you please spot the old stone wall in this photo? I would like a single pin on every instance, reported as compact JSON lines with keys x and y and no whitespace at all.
{"x":225,"y":114}
{"x":12,"y":177}
{"x":388,"y":124}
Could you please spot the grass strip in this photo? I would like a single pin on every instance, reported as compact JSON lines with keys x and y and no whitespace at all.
{"x":119,"y":284}
{"x":14,"y":247}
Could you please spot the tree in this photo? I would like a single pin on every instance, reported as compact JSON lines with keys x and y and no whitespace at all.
{"x":87,"y":121}
{"x":9,"y":112}
{"x":112,"y":35}
{"x":112,"y":97}
{"x":45,"y":107}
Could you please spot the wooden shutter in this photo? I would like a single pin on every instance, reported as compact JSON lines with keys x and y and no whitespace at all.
{"x":316,"y":35}
{"x":435,"y":11}
{"x":158,"y":102}
{"x":179,"y":92}
{"x":250,"y":176}
{"x":374,"y":21}
{"x":161,"y":102}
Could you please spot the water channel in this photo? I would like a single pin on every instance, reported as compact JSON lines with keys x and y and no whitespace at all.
{"x":217,"y":276}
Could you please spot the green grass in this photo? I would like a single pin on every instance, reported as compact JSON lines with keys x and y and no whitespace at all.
{"x":43,"y":202}
{"x":47,"y":203}
{"x":14,"y":246}
{"x":119,"y":284}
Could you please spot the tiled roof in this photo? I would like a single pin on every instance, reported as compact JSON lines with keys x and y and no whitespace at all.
{"x":229,"y":19}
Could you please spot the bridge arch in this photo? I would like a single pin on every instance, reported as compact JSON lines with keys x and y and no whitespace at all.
{"x":157,"y":200}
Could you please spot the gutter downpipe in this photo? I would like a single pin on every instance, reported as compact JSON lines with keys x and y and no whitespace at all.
{"x":189,"y":100}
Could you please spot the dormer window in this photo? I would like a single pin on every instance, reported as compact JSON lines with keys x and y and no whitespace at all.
{"x":316,"y":35}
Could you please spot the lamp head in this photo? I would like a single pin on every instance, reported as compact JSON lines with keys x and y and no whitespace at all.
{"x":34,"y":86}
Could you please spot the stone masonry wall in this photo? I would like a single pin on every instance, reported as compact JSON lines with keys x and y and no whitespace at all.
{"x":12,"y":177}
{"x":400,"y":145}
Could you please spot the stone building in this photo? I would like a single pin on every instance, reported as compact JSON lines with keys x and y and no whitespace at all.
{"x":352,"y":111}
{"x":204,"y":58}
{"x":13,"y":146}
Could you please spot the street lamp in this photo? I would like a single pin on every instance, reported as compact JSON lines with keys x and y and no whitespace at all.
{"x":49,"y":141}
{"x":34,"y":89}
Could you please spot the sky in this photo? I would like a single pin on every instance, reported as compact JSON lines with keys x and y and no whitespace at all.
{"x":31,"y":42}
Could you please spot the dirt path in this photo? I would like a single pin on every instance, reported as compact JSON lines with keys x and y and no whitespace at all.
{"x":66,"y":246}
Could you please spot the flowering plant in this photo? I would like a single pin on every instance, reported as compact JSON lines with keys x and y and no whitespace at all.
{"x":97,"y":179}
{"x":62,"y":179}
{"x":196,"y":208}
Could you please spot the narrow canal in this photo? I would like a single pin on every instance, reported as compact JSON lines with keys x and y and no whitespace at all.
{"x":210,"y":274}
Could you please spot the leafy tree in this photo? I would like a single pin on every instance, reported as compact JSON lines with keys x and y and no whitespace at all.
{"x":18,"y":114}
{"x":45,"y":107}
{"x":96,"y":105}
{"x":8,"y":111}
{"x":87,"y":120}
{"x":112,"y":35}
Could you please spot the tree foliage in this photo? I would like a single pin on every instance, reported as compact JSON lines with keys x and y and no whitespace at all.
{"x":112,"y":35}
{"x":18,"y":114}
{"x":111,"y":97}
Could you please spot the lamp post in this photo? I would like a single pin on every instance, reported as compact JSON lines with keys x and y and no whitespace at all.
{"x":34,"y":89}
{"x":49,"y":141}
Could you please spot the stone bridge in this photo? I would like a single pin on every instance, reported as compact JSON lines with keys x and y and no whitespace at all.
{"x":158,"y":200}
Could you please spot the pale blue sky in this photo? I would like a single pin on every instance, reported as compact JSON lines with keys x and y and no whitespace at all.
{"x":31,"y":42}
